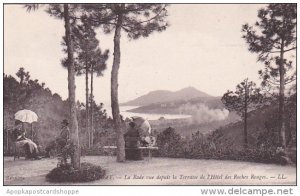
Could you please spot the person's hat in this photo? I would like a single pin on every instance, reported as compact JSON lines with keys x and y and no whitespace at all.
{"x":65,"y":122}
{"x":132,"y":124}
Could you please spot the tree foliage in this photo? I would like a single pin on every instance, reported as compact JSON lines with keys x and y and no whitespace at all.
{"x":273,"y":35}
{"x":23,"y":75}
{"x":87,"y":50}
{"x":136,"y":20}
{"x":246,"y":98}
{"x":89,"y":59}
{"x":246,"y":94}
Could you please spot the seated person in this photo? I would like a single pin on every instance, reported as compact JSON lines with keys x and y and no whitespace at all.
{"x":30,"y":147}
{"x":148,"y":141}
{"x":132,"y":142}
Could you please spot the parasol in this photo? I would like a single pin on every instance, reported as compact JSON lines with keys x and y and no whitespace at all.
{"x":144,"y":128}
{"x":26,"y":116}
{"x":142,"y":124}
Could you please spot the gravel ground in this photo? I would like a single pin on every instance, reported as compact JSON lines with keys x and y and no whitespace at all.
{"x":157,"y":171}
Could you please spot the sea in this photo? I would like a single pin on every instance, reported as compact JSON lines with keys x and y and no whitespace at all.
{"x":125,"y":113}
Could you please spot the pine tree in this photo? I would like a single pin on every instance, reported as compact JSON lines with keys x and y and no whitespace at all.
{"x":136,"y":20}
{"x":245,"y":98}
{"x":273,"y":37}
{"x":90,"y":59}
{"x":24,"y":76}
{"x":98,"y":65}
{"x":63,"y":12}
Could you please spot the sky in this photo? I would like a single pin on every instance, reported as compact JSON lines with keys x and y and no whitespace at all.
{"x":202,"y":48}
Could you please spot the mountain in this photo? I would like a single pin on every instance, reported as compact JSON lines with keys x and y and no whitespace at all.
{"x":161,"y":96}
{"x":188,"y":106}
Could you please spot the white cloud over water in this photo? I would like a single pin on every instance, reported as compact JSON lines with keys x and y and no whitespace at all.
{"x":203,"y":114}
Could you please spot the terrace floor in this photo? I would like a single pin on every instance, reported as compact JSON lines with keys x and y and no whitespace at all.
{"x":157,"y":171}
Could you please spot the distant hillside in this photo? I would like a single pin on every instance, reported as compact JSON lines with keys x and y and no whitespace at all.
{"x":50,"y":108}
{"x":202,"y":110}
{"x":181,"y":106}
{"x":32,"y":95}
{"x":160,"y":96}
{"x":263,"y":127}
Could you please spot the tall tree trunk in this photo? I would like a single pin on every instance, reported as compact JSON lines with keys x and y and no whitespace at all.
{"x":246,"y":116}
{"x":75,"y":159}
{"x":114,"y":89}
{"x":21,"y":80}
{"x":288,"y":130}
{"x":92,"y":106}
{"x":87,"y":104}
{"x":281,"y":97}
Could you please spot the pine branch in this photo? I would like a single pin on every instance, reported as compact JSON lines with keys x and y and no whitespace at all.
{"x":284,"y":50}
{"x":150,"y":19}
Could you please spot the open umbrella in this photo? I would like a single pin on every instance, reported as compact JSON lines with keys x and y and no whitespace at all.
{"x":27,"y":116}
{"x":142,"y":124}
{"x":144,"y":128}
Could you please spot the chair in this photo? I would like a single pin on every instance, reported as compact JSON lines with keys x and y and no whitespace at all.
{"x":18,"y":149}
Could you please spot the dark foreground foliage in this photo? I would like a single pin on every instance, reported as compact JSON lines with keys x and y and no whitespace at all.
{"x":202,"y":147}
{"x":66,"y":173}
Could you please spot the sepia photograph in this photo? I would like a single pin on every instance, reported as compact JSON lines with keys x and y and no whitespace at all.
{"x":149,"y":94}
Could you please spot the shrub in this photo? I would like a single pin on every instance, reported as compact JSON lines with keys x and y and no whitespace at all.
{"x":201,"y":147}
{"x":170,"y":144}
{"x":66,"y":173}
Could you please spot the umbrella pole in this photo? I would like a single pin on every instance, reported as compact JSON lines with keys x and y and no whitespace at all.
{"x":32,"y":131}
{"x":24,"y":128}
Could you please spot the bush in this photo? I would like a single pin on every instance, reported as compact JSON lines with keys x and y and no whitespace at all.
{"x":170,"y":144}
{"x":201,"y":147}
{"x":66,"y":173}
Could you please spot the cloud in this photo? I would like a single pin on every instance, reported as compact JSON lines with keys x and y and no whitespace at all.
{"x":202,"y":114}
